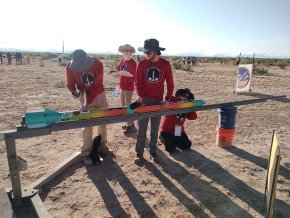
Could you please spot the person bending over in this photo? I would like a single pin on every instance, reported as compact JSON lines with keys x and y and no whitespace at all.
{"x":172,"y":133}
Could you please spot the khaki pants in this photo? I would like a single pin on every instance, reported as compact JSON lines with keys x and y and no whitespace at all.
{"x":99,"y":101}
{"x":126,"y":99}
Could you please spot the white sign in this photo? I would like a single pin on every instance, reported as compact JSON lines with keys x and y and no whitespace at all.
{"x":244,"y":75}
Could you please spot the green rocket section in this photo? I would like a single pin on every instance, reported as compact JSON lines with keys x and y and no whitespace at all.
{"x":47,"y":116}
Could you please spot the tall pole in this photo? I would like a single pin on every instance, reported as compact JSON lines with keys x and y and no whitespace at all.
{"x":63,"y":46}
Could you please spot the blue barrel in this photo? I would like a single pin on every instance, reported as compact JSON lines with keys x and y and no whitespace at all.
{"x":227,"y":117}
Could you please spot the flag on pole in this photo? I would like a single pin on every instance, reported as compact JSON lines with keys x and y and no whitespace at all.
{"x":244,"y":75}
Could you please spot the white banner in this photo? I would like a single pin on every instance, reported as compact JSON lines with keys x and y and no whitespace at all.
{"x":244,"y":75}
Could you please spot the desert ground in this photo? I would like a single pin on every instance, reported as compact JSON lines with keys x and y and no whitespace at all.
{"x":206,"y":181}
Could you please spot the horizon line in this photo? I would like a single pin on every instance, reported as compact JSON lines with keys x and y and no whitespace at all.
{"x":198,"y":54}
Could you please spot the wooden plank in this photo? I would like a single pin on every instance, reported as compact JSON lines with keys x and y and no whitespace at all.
{"x":56,"y":171}
{"x":38,"y":206}
{"x":6,"y":209}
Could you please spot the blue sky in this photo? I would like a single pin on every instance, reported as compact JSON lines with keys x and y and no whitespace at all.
{"x":205,"y":27}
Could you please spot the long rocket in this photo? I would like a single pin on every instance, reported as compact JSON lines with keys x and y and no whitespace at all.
{"x":47,"y":116}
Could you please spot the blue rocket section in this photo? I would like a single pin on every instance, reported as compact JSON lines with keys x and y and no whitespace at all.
{"x":41,"y":118}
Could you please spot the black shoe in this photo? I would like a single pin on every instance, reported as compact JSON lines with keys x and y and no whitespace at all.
{"x":129,"y":129}
{"x":139,"y":159}
{"x":95,"y":154}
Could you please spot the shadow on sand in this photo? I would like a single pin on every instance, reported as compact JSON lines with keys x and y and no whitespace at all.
{"x":259,"y":161}
{"x":111,"y":171}
{"x":261,"y":95}
{"x":237,"y":187}
{"x":219,"y":204}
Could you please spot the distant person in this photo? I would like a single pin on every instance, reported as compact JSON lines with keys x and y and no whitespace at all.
{"x":238,"y":60}
{"x":17,"y":58}
{"x":85,"y":82}
{"x":126,"y":71}
{"x":9,"y":58}
{"x":20,"y":57}
{"x":172,"y":133}
{"x":59,"y":57}
{"x":151,"y":74}
{"x":184,"y":60}
{"x":1,"y":58}
{"x":138,"y":58}
{"x":194,"y":60}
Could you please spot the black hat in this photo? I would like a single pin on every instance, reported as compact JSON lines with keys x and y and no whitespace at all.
{"x":186,"y":93}
{"x":151,"y":45}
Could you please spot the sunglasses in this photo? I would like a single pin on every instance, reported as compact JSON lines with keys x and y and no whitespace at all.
{"x":148,"y":52}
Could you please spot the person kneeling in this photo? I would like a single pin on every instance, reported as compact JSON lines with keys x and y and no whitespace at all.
{"x":172,"y":133}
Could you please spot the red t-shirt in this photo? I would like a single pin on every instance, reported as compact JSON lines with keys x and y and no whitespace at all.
{"x":74,"y":80}
{"x":170,"y":121}
{"x":127,"y":83}
{"x":150,"y":77}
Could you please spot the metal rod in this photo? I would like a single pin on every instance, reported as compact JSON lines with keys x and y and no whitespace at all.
{"x":13,"y":168}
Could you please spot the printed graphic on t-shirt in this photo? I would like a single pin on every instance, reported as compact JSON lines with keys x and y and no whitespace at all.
{"x":153,"y":75}
{"x":124,"y":67}
{"x":87,"y":78}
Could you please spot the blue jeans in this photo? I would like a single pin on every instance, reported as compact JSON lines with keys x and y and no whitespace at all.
{"x":142,"y":130}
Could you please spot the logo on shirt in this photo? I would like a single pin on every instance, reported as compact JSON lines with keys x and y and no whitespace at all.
{"x":153,"y":75}
{"x":87,"y":78}
{"x":123,"y":67}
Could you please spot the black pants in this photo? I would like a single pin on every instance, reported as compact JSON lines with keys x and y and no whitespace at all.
{"x":171,"y":142}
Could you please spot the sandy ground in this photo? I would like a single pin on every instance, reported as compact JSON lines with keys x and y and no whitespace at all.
{"x":206,"y":181}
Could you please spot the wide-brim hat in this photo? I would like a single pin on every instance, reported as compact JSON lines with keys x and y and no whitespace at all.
{"x":126,"y":47}
{"x":151,"y":45}
{"x":81,"y":62}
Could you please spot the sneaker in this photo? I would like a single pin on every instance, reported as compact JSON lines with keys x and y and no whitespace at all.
{"x":124,"y":127}
{"x":155,"y":157}
{"x":87,"y":160}
{"x":139,"y":159}
{"x":129,"y":129}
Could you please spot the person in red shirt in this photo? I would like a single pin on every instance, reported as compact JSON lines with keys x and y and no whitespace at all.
{"x":151,"y":74}
{"x":126,"y":72}
{"x":85,"y":82}
{"x":172,"y":132}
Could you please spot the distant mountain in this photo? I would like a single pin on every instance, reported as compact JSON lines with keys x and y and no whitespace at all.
{"x":9,"y":49}
{"x":182,"y":54}
{"x":190,"y":54}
